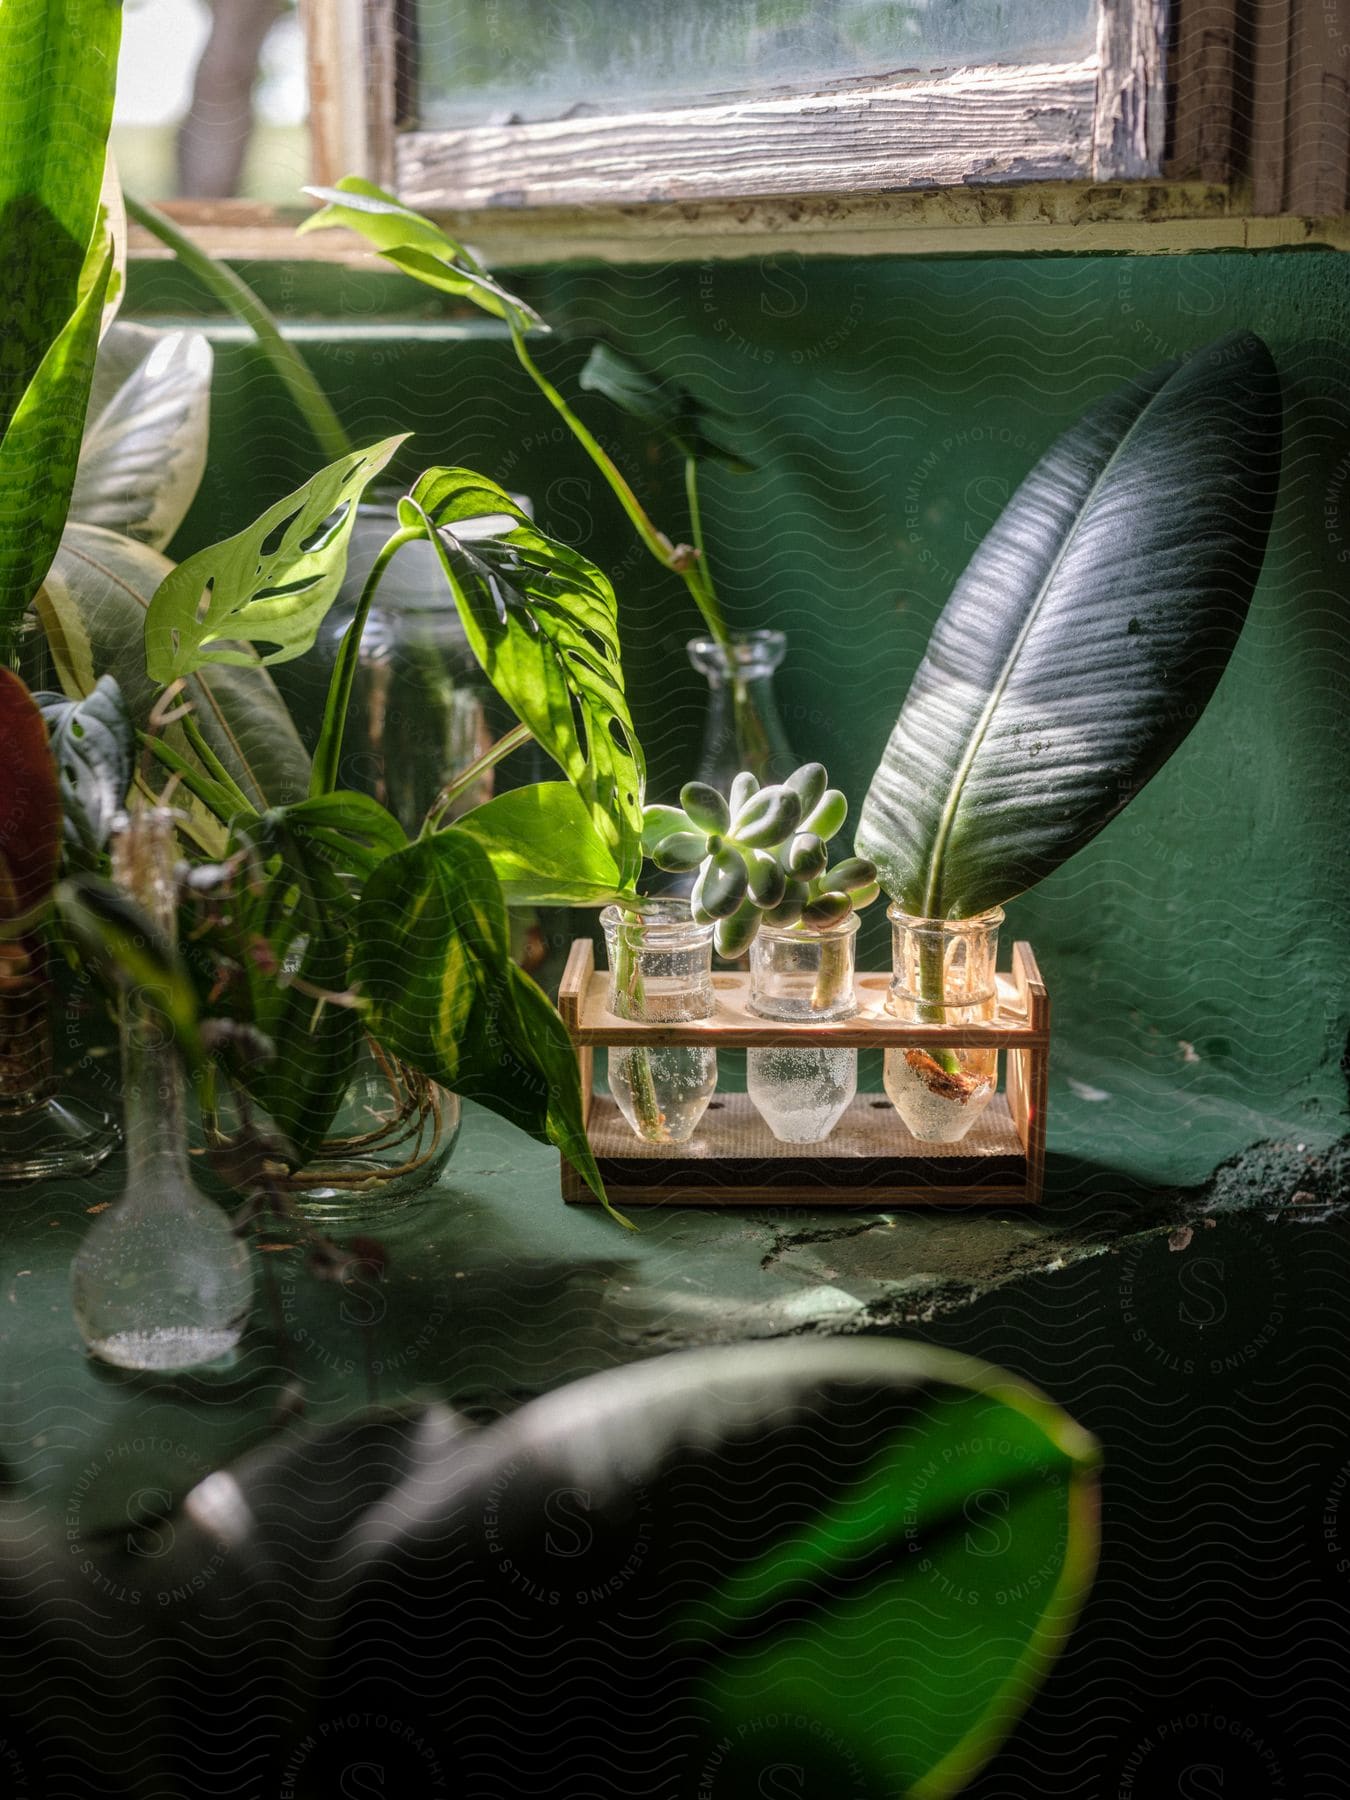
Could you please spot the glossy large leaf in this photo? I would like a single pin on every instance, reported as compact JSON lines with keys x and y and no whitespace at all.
{"x":433,"y":963}
{"x":30,"y":803}
{"x":93,"y":606}
{"x":543,"y":848}
{"x":59,"y":67}
{"x":543,"y":622}
{"x":269,"y":585}
{"x":416,"y":246}
{"x":1085,"y":637}
{"x":41,"y":447}
{"x":812,"y":1568}
{"x":145,"y":434}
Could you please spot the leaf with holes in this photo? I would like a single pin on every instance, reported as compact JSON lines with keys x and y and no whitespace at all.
{"x":270,"y":584}
{"x":93,"y":742}
{"x":543,"y":622}
{"x":416,"y":246}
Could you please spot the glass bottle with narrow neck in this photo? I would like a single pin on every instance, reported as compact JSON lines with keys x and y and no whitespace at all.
{"x":742,"y":729}
{"x":161,"y":1281}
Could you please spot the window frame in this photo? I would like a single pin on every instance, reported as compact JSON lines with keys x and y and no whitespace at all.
{"x":1139,"y":147}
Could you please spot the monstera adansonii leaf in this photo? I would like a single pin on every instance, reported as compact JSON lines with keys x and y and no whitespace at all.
{"x":1085,"y":636}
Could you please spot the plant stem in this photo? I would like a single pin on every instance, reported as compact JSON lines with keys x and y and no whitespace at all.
{"x":461,"y":783}
{"x":328,"y":752}
{"x":708,"y":605}
{"x":933,"y":994}
{"x":628,"y":980}
{"x":238,"y":297}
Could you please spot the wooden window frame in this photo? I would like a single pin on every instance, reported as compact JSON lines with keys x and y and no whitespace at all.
{"x":1142,"y":147}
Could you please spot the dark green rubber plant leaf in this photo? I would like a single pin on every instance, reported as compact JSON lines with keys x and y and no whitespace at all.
{"x":30,"y":806}
{"x":1085,"y":636}
{"x":844,"y":1567}
{"x":432,"y":962}
{"x":662,"y":405}
{"x":416,"y":246}
{"x":93,"y":741}
{"x":269,"y":585}
{"x":544,"y":849}
{"x":543,"y":622}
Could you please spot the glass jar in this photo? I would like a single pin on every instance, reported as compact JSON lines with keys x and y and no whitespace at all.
{"x":660,"y":971}
{"x":421,"y":709}
{"x":742,"y":729}
{"x":802,"y":1092}
{"x":942,"y":973}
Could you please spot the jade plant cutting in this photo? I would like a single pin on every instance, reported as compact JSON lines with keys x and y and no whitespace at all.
{"x":1073,"y":657}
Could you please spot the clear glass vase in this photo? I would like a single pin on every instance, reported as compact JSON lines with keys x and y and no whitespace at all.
{"x":660,"y":971}
{"x":943,"y":973}
{"x":421,"y":708}
{"x":803,"y":976}
{"x":45,"y":1130}
{"x":742,"y":729}
{"x":161,"y":1280}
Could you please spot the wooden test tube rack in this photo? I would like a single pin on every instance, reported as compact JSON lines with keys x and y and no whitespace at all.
{"x":869,"y":1159}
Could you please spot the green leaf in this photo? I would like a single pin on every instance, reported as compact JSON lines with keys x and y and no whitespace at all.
{"x":118,"y":939}
{"x":1085,"y":637}
{"x":416,"y":246}
{"x":93,"y":742}
{"x":543,"y":622}
{"x":270,"y":584}
{"x":93,"y":606}
{"x":543,"y":848}
{"x":663,"y":406}
{"x":145,"y":436}
{"x":40,"y":451}
{"x":56,"y":101}
{"x":432,"y":959}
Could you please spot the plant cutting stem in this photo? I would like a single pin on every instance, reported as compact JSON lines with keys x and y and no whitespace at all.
{"x":461,"y":783}
{"x":238,"y":297}
{"x":933,"y":994}
{"x":629,"y":982}
{"x":323,"y":777}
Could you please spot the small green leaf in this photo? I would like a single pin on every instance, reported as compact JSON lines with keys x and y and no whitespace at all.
{"x":543,"y":622}
{"x":543,"y":848}
{"x":416,"y":246}
{"x":270,"y":584}
{"x":93,"y":742}
{"x":663,"y":406}
{"x":433,"y":962}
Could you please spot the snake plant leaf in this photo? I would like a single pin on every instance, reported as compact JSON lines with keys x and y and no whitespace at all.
{"x":56,"y":102}
{"x":432,"y":961}
{"x":543,"y":622}
{"x":93,"y":742}
{"x":416,"y":246}
{"x":544,"y":848}
{"x":1084,"y":638}
{"x":270,"y":584}
{"x":145,"y":434}
{"x":93,"y":606}
{"x":662,"y":405}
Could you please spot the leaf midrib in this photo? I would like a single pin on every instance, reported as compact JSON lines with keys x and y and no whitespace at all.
{"x":957,"y":787}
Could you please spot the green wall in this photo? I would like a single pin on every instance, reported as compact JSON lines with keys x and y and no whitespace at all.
{"x":1196,"y":950}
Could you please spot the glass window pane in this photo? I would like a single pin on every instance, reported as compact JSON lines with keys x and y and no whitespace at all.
{"x":211,"y":100}
{"x":510,"y":61}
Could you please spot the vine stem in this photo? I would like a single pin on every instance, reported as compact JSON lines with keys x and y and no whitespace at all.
{"x":628,"y":979}
{"x":328,"y":753}
{"x":239,"y":298}
{"x":461,"y":783}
